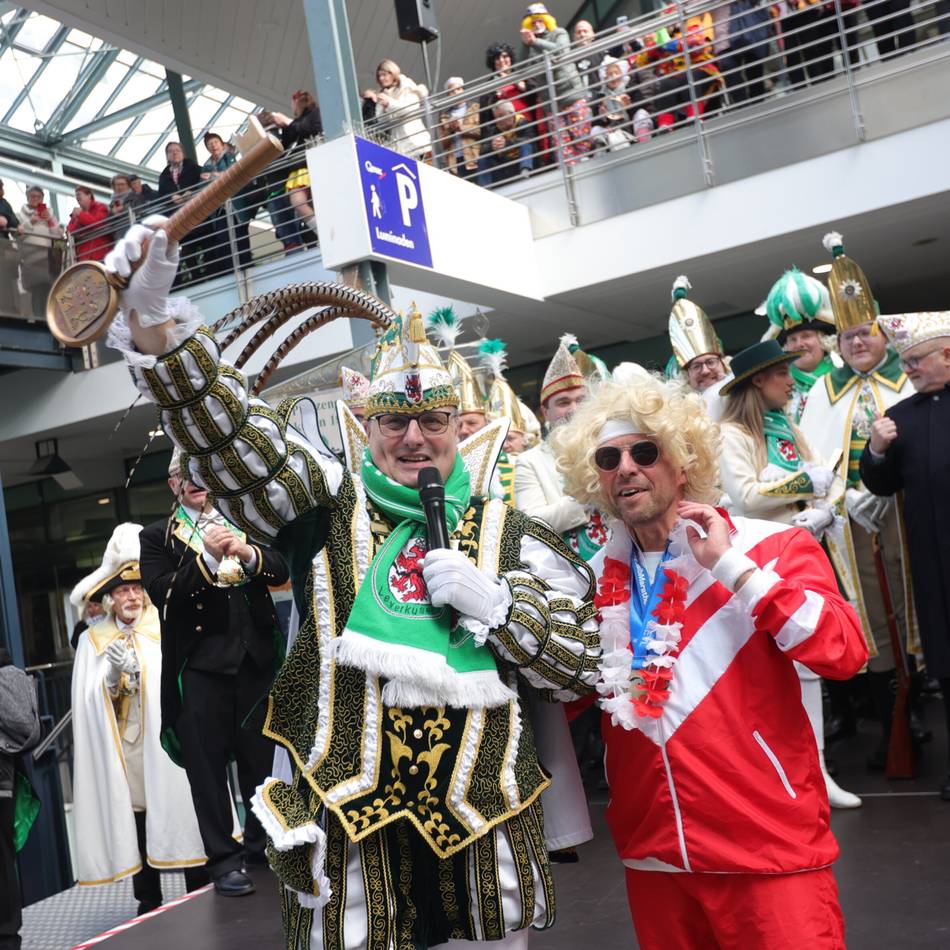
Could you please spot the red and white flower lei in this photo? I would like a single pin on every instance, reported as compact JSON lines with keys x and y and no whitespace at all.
{"x":629,"y":694}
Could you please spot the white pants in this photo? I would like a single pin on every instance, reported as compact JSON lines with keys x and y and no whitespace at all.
{"x":514,"y":941}
{"x":811,"y":699}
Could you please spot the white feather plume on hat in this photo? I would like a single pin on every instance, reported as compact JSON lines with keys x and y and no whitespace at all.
{"x":122,"y":548}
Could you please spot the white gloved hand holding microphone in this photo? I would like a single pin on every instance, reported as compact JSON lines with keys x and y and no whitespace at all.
{"x":454,"y":581}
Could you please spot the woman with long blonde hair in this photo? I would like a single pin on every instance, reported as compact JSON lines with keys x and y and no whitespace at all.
{"x":769,"y":471}
{"x":399,"y":102}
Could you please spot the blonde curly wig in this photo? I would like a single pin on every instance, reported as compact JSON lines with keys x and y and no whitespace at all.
{"x":676,"y":419}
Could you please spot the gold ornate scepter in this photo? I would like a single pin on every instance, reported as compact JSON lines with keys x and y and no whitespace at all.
{"x":85,"y":297}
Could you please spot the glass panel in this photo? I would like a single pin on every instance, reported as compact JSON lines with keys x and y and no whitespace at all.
{"x":97,"y":97}
{"x":102,"y":140}
{"x":58,"y":77}
{"x":37,"y":32}
{"x":201,"y":111}
{"x":140,"y":86}
{"x":15,"y":71}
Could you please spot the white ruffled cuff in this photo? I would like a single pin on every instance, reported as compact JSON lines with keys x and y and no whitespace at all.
{"x":187,"y":319}
{"x":497,"y":617}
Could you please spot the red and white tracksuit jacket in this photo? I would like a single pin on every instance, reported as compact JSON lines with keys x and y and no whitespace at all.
{"x":727,"y":779}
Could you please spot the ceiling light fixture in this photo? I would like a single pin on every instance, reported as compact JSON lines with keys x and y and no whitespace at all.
{"x":821,"y":269}
{"x":105,"y":501}
{"x":49,"y":463}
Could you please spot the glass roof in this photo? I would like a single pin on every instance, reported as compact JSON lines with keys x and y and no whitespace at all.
{"x":55,"y":81}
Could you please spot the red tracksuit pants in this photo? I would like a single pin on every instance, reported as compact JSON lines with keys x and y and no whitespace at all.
{"x":736,"y":911}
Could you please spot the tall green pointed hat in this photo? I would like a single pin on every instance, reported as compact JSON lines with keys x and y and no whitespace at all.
{"x":797,"y":302}
{"x":406,"y":374}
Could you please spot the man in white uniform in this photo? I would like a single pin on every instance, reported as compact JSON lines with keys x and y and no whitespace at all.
{"x":131,"y":803}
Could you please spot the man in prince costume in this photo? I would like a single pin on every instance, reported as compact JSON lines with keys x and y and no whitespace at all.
{"x":718,"y":808}
{"x":410,"y":814}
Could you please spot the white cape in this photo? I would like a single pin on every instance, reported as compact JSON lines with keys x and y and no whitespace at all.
{"x":102,"y":805}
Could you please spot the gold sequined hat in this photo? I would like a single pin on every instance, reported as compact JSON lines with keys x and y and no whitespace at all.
{"x":851,"y":300}
{"x":471,"y":397}
{"x":407,"y":374}
{"x":502,"y":401}
{"x":355,"y":387}
{"x":691,"y":331}
{"x":907,"y":330}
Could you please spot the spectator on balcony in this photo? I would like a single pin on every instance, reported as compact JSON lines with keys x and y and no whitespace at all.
{"x":178,"y":181}
{"x":459,"y":130}
{"x":893,"y":25}
{"x":86,"y":225}
{"x":508,"y":148}
{"x":542,"y":37}
{"x":179,"y":177}
{"x":122,"y":185}
{"x":218,"y":256}
{"x":399,"y":102}
{"x":39,"y":263}
{"x":588,"y":66}
{"x":499,"y":58}
{"x":619,"y":119}
{"x":9,"y":260}
{"x":9,"y":222}
{"x":295,"y":133}
{"x":666,"y":61}
{"x":741,"y":33}
{"x":809,"y":28}
{"x":143,"y":193}
{"x":119,"y":218}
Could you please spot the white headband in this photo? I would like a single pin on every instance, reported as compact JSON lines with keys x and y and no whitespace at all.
{"x":614,"y":428}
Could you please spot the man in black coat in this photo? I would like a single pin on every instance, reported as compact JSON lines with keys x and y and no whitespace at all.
{"x":178,"y":182}
{"x":909,"y":452}
{"x":221,"y":646}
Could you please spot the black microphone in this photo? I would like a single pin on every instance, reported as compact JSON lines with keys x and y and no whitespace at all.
{"x":432,"y":495}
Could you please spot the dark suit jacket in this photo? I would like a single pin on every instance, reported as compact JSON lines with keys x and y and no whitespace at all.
{"x":190,"y":177}
{"x":918,"y":464}
{"x":208,"y":627}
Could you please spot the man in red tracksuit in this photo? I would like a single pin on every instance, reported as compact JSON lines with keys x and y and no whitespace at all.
{"x":718,"y":808}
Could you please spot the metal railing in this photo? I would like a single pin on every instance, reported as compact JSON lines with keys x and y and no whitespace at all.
{"x":690,"y":71}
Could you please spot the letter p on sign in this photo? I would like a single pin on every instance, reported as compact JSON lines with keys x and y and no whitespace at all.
{"x":408,"y":196}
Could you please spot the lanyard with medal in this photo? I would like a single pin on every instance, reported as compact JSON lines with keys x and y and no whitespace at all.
{"x":644,"y":597}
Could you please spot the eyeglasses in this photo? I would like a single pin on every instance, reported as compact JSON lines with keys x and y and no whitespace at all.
{"x":912,"y":362}
{"x":698,"y":366}
{"x":850,"y":336}
{"x":644,"y":454}
{"x":431,"y":423}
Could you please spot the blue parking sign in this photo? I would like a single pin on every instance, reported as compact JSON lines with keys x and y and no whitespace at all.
{"x":392,"y":200}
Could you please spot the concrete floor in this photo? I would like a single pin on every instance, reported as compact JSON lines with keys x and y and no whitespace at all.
{"x":893,"y":875}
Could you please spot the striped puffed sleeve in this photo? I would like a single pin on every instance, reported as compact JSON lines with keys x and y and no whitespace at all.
{"x":550,"y":633}
{"x":261,"y":470}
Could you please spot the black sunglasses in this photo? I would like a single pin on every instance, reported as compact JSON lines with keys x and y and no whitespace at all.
{"x":644,"y":454}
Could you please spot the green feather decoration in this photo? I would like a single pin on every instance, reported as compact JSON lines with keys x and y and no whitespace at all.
{"x":444,"y":325}
{"x":495,"y":354}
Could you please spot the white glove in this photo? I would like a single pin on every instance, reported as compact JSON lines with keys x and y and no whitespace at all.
{"x":121,"y":661}
{"x":453,"y":580}
{"x":815,"y":520}
{"x":866,"y":509}
{"x":821,"y":479}
{"x":148,"y":290}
